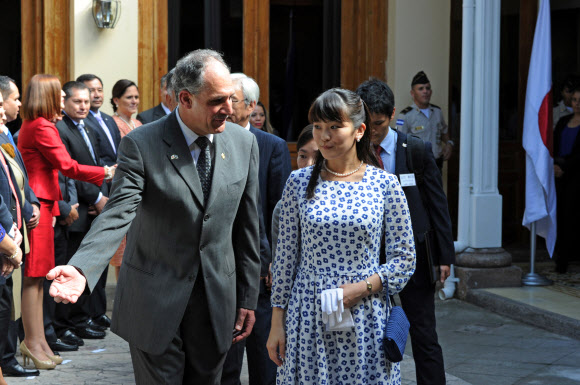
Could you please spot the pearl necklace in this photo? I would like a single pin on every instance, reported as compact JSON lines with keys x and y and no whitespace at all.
{"x":339,"y":174}
{"x":129,"y":123}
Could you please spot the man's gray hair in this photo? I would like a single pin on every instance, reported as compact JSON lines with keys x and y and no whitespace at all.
{"x":250,"y":88}
{"x":5,"y":86}
{"x":169,"y":80}
{"x":163,"y":81}
{"x":190,"y":70}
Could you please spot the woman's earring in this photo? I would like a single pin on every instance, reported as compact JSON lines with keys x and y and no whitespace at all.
{"x":358,"y":139}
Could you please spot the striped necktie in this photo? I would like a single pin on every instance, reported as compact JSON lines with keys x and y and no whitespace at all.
{"x":81,"y":127}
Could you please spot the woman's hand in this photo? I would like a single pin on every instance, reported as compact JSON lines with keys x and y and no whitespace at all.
{"x":353,"y":293}
{"x":17,"y":260}
{"x":276,"y":344}
{"x":10,"y":248}
{"x":35,"y":218}
{"x":110,"y":172}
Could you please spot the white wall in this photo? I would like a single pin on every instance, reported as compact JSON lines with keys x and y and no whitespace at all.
{"x":111,"y":54}
{"x":418,"y":40}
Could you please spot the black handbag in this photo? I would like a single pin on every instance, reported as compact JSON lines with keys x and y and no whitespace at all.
{"x":396,"y":333}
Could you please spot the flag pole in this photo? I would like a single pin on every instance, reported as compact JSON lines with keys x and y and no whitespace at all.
{"x":533,"y":279}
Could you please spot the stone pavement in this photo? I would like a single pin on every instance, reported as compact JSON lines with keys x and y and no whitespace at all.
{"x":480,"y":348}
{"x":98,"y":362}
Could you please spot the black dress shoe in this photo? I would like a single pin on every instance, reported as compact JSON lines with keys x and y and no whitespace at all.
{"x":61,"y":346}
{"x":71,"y":338}
{"x":103,"y":321}
{"x":93,"y":325}
{"x":17,"y":370}
{"x":90,"y":333}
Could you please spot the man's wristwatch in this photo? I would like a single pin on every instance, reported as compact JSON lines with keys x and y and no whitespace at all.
{"x":369,"y":286}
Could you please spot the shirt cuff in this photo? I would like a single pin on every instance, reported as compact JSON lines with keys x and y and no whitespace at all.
{"x":99,"y":198}
{"x":13,"y":230}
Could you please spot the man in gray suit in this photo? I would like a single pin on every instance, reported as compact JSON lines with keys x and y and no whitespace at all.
{"x":187,"y":185}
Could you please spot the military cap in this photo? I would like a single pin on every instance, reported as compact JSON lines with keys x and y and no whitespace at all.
{"x":420,"y":78}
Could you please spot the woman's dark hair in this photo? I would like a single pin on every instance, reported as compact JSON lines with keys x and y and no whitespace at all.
{"x":304,"y":137}
{"x":119,"y":90}
{"x":267,"y":125}
{"x":340,"y":105}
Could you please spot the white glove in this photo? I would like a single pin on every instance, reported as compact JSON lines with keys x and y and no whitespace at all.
{"x":332,"y":307}
{"x":326,"y":305}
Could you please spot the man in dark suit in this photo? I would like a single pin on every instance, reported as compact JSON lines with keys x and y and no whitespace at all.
{"x":80,"y":143}
{"x":68,"y":214}
{"x":165,"y":107}
{"x":108,"y":137}
{"x":186,"y":189}
{"x":30,"y":214}
{"x":103,"y":125}
{"x":275,"y":167}
{"x":428,"y":208}
{"x":11,"y":104}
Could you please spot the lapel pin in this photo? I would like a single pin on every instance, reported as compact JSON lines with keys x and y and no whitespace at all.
{"x":174,"y":157}
{"x":404,"y":144}
{"x":223,"y":155}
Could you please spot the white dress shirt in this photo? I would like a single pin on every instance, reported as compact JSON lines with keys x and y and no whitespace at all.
{"x":190,"y":138}
{"x":389,"y":146}
{"x":165,"y":108}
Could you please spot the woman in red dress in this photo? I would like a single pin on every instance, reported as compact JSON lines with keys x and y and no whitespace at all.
{"x":44,"y":155}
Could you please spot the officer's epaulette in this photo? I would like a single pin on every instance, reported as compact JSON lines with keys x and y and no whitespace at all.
{"x":406,"y":110}
{"x":433,"y":105}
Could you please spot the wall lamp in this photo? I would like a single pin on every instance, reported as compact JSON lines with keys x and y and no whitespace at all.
{"x":106,"y":13}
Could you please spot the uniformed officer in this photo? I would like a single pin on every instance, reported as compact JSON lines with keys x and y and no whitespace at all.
{"x":426,"y":120}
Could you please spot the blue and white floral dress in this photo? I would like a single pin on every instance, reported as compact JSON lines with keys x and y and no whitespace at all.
{"x":324,"y":243}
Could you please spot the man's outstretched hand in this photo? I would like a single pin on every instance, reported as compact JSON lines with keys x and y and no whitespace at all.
{"x":68,"y":284}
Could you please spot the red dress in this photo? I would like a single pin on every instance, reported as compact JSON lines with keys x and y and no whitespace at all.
{"x":44,"y":155}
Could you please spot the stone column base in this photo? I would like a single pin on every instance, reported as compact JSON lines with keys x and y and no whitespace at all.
{"x":485,"y":268}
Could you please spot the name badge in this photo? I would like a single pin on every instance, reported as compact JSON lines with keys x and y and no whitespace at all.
{"x":407,"y":180}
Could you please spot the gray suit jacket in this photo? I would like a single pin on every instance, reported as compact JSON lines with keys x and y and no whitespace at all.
{"x":156,"y":191}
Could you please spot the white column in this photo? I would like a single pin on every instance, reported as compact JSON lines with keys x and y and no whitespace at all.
{"x":486,"y":203}
{"x":467,"y":54}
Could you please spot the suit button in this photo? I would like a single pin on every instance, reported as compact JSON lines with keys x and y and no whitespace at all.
{"x":191,"y":278}
{"x":206,"y":217}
